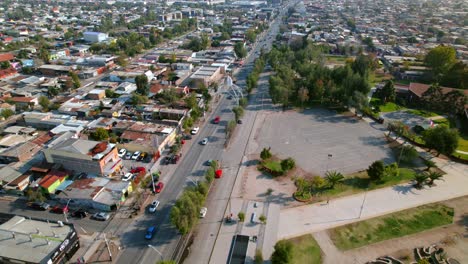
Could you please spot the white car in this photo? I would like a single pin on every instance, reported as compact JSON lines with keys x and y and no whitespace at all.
{"x":127,"y":177}
{"x":203,"y":212}
{"x":154,"y":205}
{"x":204,"y":141}
{"x":122,"y":153}
{"x":194,"y":130}
{"x":135,"y":155}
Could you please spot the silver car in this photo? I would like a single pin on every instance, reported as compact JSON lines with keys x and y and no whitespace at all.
{"x":101,"y":216}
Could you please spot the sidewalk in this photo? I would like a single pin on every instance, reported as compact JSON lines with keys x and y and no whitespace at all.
{"x":316,"y":217}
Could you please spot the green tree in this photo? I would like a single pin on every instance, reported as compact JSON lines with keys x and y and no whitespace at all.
{"x":288,"y":164}
{"x":440,"y":59}
{"x":191,"y":100}
{"x":243,"y":102}
{"x":75,"y":79}
{"x":442,"y":139}
{"x":283,"y":253}
{"x":137,"y":99}
{"x":121,"y":61}
{"x":6,"y":113}
{"x":205,"y":41}
{"x":238,"y":112}
{"x":141,"y":82}
{"x":5,"y":65}
{"x":230,"y":127}
{"x":265,"y":154}
{"x":388,"y":93}
{"x":419,"y":179}
{"x":241,"y":216}
{"x":432,"y":176}
{"x":408,"y":154}
{"x":44,"y":103}
{"x":429,"y":164}
{"x":251,"y":35}
{"x":376,"y":170}
{"x":317,"y":184}
{"x":333,"y":177}
{"x":258,"y":259}
{"x":262,"y":219}
{"x":456,"y":77}
{"x":240,"y":50}
{"x":44,"y":55}
{"x":52,"y":91}
{"x":100,"y":134}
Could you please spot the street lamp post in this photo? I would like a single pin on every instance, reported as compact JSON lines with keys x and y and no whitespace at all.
{"x":157,"y":251}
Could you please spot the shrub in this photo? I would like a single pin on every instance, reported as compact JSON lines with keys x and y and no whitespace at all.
{"x":283,"y":252}
{"x":210,"y":175}
{"x":376,"y":170}
{"x":258,"y":259}
{"x":241,"y":216}
{"x":408,"y":154}
{"x":265,"y":154}
{"x":288,"y":164}
{"x":418,"y":129}
{"x":262,"y":219}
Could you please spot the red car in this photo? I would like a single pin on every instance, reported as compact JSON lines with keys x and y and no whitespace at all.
{"x":138,"y":170}
{"x":218,"y":174}
{"x":60,"y":209}
{"x":216,"y":120}
{"x":158,"y":188}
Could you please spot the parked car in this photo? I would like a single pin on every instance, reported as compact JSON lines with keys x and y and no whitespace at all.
{"x":216,"y":120}
{"x":229,"y":97}
{"x":153,"y":206}
{"x":39,"y":206}
{"x":128,"y":155}
{"x":135,"y":155}
{"x":59,"y":209}
{"x":79,"y":213}
{"x":138,"y":170}
{"x":159,"y":187}
{"x":380,"y":120}
{"x":122,"y":152}
{"x":100,"y":216}
{"x":194,"y":130}
{"x":187,"y":137}
{"x":204,"y":141}
{"x":239,"y":121}
{"x":142,"y":156}
{"x":150,"y":232}
{"x":203,"y":212}
{"x":127,"y":177}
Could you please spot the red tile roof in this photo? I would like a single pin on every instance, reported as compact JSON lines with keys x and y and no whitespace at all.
{"x":51,"y":178}
{"x":420,"y":88}
{"x":6,"y":57}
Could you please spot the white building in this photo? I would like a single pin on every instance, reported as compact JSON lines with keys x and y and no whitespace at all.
{"x":94,"y":37}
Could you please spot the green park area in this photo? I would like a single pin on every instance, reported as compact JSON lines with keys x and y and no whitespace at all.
{"x":390,"y":226}
{"x":298,"y":250}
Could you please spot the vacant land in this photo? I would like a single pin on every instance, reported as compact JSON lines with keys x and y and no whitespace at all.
{"x":306,"y":250}
{"x":391,"y":226}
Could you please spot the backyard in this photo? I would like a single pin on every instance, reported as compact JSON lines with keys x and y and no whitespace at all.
{"x":393,"y":225}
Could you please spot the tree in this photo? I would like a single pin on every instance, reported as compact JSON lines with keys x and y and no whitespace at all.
{"x":303,"y":95}
{"x":262,"y":219}
{"x":317,"y":183}
{"x":429,"y":164}
{"x":230,"y":127}
{"x":238,"y":112}
{"x":44,"y":55}
{"x":388,"y":93}
{"x":137,"y":99}
{"x":240,"y":50}
{"x":6,"y":113}
{"x":376,"y":170}
{"x":288,"y":164}
{"x":420,"y":179}
{"x":141,"y":82}
{"x":408,"y":154}
{"x":456,"y":77}
{"x":333,"y":177}
{"x":358,"y":101}
{"x":205,"y":41}
{"x":5,"y":65}
{"x":440,"y":59}
{"x":75,"y":79}
{"x":442,"y":139}
{"x":258,"y":259}
{"x":52,"y":91}
{"x":250,"y":35}
{"x":44,"y":103}
{"x":100,"y":134}
{"x":241,"y":216}
{"x":432,"y":176}
{"x":265,"y":154}
{"x":455,"y":102}
{"x":243,"y":102}
{"x":283,"y":252}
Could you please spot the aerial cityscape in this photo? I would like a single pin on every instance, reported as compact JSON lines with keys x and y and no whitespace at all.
{"x":234,"y":131}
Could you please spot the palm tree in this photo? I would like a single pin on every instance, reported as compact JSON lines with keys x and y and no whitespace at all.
{"x":433,"y":175}
{"x":333,"y":177}
{"x":429,"y":164}
{"x":420,"y":178}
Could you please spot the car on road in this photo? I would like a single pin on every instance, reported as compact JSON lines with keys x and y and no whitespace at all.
{"x":127,"y":177}
{"x":150,"y":232}
{"x":128,"y":155}
{"x":159,"y":187}
{"x":135,"y":155}
{"x":204,"y":141}
{"x":194,"y":130}
{"x":80,"y":213}
{"x":216,"y":120}
{"x":203,"y":212}
{"x":153,"y":206}
{"x":59,"y":209}
{"x":138,"y":170}
{"x":142,"y":156}
{"x":122,"y":152}
{"x":187,"y":137}
{"x":39,"y":206}
{"x":100,"y":216}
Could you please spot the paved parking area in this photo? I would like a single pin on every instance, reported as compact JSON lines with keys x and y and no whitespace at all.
{"x":312,"y":136}
{"x":408,"y":119}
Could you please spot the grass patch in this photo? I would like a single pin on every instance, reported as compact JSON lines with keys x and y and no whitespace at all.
{"x":306,"y":250}
{"x":422,"y":113}
{"x":387,"y":107}
{"x":463,"y":142}
{"x":460,"y":155}
{"x":272,"y":165}
{"x":389,"y":226}
{"x":359,"y":182}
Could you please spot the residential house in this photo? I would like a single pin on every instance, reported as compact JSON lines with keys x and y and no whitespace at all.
{"x":52,"y":180}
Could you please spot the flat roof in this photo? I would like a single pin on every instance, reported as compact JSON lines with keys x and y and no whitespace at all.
{"x":30,"y":240}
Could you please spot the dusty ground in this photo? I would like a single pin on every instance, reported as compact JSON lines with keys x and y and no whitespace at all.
{"x":453,"y":238}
